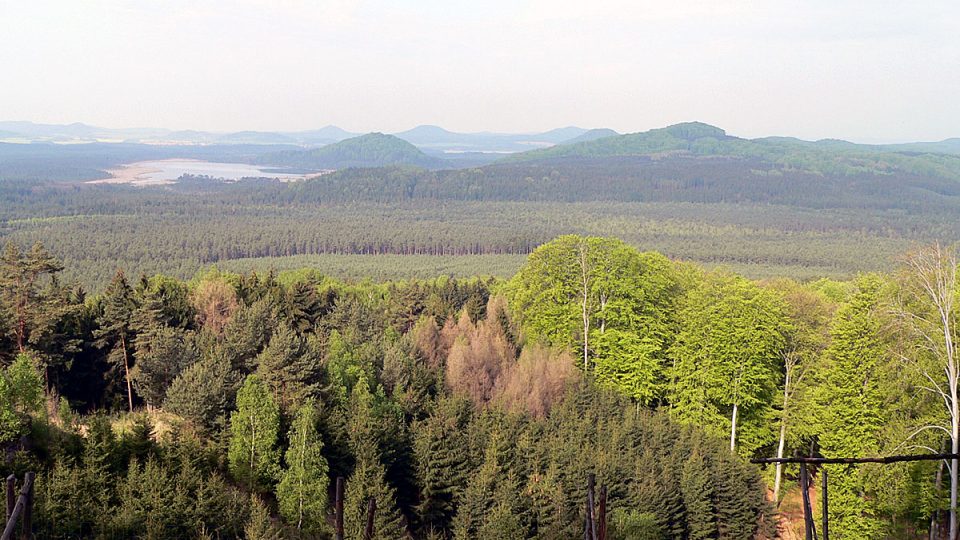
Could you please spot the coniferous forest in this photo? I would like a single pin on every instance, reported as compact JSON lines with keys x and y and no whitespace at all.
{"x":224,"y":406}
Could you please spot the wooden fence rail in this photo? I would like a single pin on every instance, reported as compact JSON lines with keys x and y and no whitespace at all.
{"x":21,"y":510}
{"x":810,"y":532}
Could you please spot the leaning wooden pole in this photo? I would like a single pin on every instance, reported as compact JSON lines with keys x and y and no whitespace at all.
{"x":825,"y":527}
{"x":338,"y":510}
{"x":26,"y":527}
{"x":22,"y":508}
{"x":371,"y":510}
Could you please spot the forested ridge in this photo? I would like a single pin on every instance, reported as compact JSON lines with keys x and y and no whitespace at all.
{"x":472,"y":408}
{"x":759,"y":218}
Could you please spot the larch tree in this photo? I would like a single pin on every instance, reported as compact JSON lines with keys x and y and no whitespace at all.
{"x":254,"y":431}
{"x":115,"y":324}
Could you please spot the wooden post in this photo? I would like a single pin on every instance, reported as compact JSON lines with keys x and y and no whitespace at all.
{"x":804,"y":491}
{"x":371,"y":510}
{"x":823,"y":500}
{"x":602,"y":514}
{"x":23,"y":508}
{"x":338,"y":510}
{"x":11,"y":494}
{"x":26,"y":531}
{"x":588,"y":517}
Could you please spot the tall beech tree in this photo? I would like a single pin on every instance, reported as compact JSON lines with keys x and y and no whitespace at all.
{"x":853,"y":390}
{"x":808,"y":334}
{"x":927,"y":308}
{"x":575,"y":285}
{"x":725,"y":357}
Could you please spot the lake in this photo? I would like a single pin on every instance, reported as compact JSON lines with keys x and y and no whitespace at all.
{"x":166,"y":171}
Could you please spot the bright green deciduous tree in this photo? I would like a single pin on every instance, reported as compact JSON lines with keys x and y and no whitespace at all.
{"x":851,"y":398}
{"x":575,"y":285}
{"x":254,"y":429}
{"x":726,"y":354}
{"x":302,"y":491}
{"x":629,"y":364}
{"x":21,"y":395}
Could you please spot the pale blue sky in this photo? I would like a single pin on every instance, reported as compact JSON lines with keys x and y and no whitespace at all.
{"x":861,"y":70}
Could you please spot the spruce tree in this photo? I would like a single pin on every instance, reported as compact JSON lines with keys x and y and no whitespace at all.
{"x":441,"y":462}
{"x":369,"y":475}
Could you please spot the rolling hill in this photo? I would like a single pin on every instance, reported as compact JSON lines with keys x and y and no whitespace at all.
{"x":370,"y":150}
{"x":696,"y":139}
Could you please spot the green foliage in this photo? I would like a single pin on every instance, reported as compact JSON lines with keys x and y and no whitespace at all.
{"x":575,"y":286}
{"x":725,"y":357}
{"x":21,"y":396}
{"x":631,"y":525}
{"x":302,"y":490}
{"x":852,"y":394}
{"x":254,"y":430}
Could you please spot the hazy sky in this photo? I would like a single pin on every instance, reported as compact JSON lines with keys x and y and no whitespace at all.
{"x":862,"y":70}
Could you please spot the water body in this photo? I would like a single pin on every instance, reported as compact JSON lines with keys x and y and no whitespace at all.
{"x":167,"y":171}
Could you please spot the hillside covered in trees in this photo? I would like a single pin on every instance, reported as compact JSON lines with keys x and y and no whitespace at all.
{"x":474,"y":408}
{"x":763,"y":207}
{"x":370,"y":150}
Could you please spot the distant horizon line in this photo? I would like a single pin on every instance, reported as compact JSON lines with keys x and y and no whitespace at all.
{"x":353,"y":133}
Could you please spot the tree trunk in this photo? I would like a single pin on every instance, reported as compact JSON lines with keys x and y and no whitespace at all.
{"x":126,"y":370}
{"x":954,"y":448}
{"x":733,"y":429}
{"x":778,"y":475}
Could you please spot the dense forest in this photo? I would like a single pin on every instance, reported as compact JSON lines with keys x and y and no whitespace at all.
{"x":222,"y":407}
{"x":759,"y":219}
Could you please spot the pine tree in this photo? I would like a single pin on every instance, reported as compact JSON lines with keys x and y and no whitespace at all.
{"x":20,"y":289}
{"x":161,"y":353}
{"x":115,"y":327}
{"x":302,"y":491}
{"x":254,"y":430}
{"x":203,"y":392}
{"x":289,"y":366}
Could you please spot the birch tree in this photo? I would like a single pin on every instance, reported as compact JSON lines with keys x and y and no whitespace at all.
{"x":254,"y":429}
{"x":302,"y":491}
{"x":927,"y":309}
